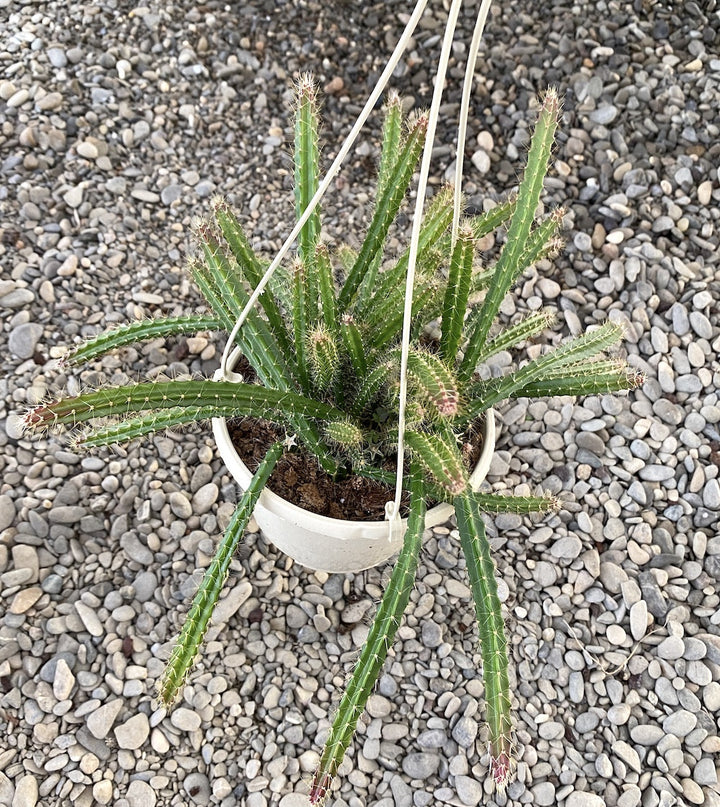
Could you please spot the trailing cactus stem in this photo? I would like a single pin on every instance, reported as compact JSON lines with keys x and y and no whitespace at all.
{"x":137,"y":331}
{"x":306,"y":165}
{"x":510,"y":261}
{"x":207,"y":595}
{"x":491,"y":631}
{"x":377,"y":644}
{"x":242,"y":399}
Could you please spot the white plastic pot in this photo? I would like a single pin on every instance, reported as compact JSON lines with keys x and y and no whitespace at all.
{"x":332,"y":544}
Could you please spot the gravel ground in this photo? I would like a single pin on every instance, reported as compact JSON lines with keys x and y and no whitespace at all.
{"x":116,"y":127}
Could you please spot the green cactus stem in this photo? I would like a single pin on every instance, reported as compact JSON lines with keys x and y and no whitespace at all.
{"x":374,"y":652}
{"x":491,"y":632}
{"x":205,"y":600}
{"x":509,"y":263}
{"x":137,"y":331}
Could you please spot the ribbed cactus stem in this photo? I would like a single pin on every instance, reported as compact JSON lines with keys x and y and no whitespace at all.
{"x":491,"y":632}
{"x":440,"y":457}
{"x":206,"y":598}
{"x":306,"y":164}
{"x":377,"y":644}
{"x":509,"y":263}
{"x":434,"y":380}
{"x":136,"y":331}
{"x":323,"y":358}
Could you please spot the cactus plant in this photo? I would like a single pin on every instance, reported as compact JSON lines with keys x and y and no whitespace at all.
{"x":324,"y":344}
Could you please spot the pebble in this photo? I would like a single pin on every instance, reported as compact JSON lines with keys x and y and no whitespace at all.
{"x":26,"y":792}
{"x":580,"y":798}
{"x":24,"y":338}
{"x":140,"y":794}
{"x":133,"y":733}
{"x":64,"y":680}
{"x":671,"y":648}
{"x":420,"y":766}
{"x":185,"y":719}
{"x":680,"y":723}
{"x":543,"y":794}
{"x":469,"y":790}
{"x":100,"y":721}
{"x":197,"y":786}
{"x":465,"y":731}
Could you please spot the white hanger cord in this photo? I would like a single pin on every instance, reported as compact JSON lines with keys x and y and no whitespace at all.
{"x":395,"y":521}
{"x":464,"y":108}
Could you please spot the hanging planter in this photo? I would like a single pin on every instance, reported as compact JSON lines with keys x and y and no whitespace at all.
{"x":332,"y":544}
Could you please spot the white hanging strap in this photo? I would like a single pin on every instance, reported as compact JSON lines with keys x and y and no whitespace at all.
{"x":325,"y":184}
{"x":392,"y":509}
{"x":463,"y":117}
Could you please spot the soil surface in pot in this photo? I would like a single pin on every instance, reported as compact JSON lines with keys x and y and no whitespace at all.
{"x":299,"y":479}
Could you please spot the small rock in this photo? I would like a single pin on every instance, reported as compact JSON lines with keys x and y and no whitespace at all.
{"x":26,"y":792}
{"x":204,"y":498}
{"x":671,"y":648}
{"x":420,"y":766}
{"x":465,"y":731}
{"x":543,"y":794}
{"x":638,"y":619}
{"x":24,"y":338}
{"x":180,"y":505}
{"x":64,"y":680}
{"x":102,"y":791}
{"x":74,"y":196}
{"x":705,"y":773}
{"x":627,"y":754}
{"x":469,"y":790}
{"x":481,"y":161}
{"x":704,"y":192}
{"x":140,"y":794}
{"x":579,"y":798}
{"x":566,"y":548}
{"x":25,"y":599}
{"x":133,"y":733}
{"x":185,"y":719}
{"x":101,"y":720}
{"x":646,"y":734}
{"x":680,"y":723}
{"x":197,"y":786}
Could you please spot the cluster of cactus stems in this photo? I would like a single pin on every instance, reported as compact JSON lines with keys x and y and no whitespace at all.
{"x":323,"y":342}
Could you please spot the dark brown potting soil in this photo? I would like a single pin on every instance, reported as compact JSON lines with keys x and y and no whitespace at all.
{"x":299,"y":479}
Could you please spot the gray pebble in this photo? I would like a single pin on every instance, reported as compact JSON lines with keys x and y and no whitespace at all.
{"x":140,"y":794}
{"x":680,"y":723}
{"x":465,"y":731}
{"x":197,"y":786}
{"x":604,"y":115}
{"x":24,"y":338}
{"x":671,"y":648}
{"x":170,"y":194}
{"x":543,"y":794}
{"x":581,"y":798}
{"x":586,"y":722}
{"x":133,"y":733}
{"x":566,"y":548}
{"x":432,"y":635}
{"x":420,"y":766}
{"x":705,"y":772}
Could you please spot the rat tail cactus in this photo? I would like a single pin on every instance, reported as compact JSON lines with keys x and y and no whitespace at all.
{"x":324,"y":343}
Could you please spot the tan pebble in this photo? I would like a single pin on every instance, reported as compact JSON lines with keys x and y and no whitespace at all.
{"x":693,"y":792}
{"x":335,"y":85}
{"x":704,"y":192}
{"x":25,"y":599}
{"x":102,"y":791}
